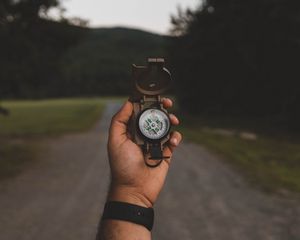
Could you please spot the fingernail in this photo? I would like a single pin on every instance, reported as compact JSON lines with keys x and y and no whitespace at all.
{"x":175,"y":141}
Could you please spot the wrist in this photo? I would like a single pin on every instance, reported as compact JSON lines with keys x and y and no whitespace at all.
{"x":128,"y":195}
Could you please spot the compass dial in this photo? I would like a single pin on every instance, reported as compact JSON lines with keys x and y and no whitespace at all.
{"x":154,"y":124}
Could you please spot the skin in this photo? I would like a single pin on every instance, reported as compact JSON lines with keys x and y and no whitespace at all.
{"x":132,"y":181}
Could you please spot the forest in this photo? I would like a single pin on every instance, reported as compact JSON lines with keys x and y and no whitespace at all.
{"x":44,"y":58}
{"x":239,"y":58}
{"x":236,"y":58}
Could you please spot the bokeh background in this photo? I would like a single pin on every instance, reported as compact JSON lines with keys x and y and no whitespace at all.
{"x":65,"y":67}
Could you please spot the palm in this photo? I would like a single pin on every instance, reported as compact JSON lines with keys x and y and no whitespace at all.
{"x":130,"y":169}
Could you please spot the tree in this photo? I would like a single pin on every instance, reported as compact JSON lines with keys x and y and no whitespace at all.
{"x":239,"y":57}
{"x":31,"y":47}
{"x":24,"y":10}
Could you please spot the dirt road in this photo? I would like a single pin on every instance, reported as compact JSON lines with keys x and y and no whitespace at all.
{"x":62,"y":195}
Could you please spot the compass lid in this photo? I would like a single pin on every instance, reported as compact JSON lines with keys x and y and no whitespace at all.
{"x":153,"y":79}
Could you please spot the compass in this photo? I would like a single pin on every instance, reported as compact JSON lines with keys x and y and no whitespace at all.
{"x":150,"y":123}
{"x":154,"y":124}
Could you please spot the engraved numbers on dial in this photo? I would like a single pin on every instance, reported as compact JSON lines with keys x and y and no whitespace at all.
{"x":154,"y":124}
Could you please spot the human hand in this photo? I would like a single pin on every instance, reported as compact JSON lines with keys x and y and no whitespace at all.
{"x":132,"y":180}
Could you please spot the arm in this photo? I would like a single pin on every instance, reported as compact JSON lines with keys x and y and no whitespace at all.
{"x":132,"y":181}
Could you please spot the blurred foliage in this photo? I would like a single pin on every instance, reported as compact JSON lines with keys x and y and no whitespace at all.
{"x":31,"y":47}
{"x":27,"y":11}
{"x":100,"y":64}
{"x":43,"y":58}
{"x":239,"y":58}
{"x":229,"y":57}
{"x":30,"y":62}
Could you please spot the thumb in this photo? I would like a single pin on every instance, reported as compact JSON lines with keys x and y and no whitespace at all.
{"x":118,"y":127}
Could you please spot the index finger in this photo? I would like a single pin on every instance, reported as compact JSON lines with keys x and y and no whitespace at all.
{"x":118,"y":127}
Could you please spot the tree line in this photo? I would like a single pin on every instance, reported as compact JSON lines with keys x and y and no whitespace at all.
{"x":42,"y":58}
{"x":228,"y":57}
{"x":31,"y":46}
{"x":239,"y":58}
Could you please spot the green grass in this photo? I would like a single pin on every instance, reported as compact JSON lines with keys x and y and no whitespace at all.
{"x":30,"y":121}
{"x":50,"y":117}
{"x":270,"y":162}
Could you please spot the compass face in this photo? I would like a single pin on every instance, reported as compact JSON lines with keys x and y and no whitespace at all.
{"x":154,"y":124}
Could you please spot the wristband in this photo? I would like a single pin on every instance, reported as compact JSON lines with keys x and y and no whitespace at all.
{"x":130,"y":213}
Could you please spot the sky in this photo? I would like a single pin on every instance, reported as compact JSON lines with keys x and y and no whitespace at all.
{"x":151,"y":15}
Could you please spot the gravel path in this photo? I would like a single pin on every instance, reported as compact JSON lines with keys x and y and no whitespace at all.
{"x":62,"y":195}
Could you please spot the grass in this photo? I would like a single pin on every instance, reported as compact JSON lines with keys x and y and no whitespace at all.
{"x":270,"y":162}
{"x":50,"y":117}
{"x":30,"y":121}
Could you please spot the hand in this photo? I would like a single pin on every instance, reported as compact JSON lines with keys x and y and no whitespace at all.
{"x":132,"y":180}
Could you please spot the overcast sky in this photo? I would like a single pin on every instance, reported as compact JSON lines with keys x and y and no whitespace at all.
{"x":152,"y":15}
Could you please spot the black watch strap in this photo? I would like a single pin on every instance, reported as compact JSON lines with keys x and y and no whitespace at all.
{"x":130,"y":213}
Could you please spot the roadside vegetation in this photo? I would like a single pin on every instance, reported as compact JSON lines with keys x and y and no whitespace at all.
{"x":271,"y":161}
{"x":31,"y":121}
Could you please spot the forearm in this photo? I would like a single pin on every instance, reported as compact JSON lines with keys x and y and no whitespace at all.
{"x":121,"y":230}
